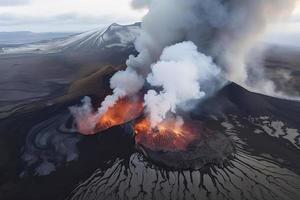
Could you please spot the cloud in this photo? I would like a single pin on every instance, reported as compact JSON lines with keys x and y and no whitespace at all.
{"x":13,"y":2}
{"x":70,"y":21}
{"x":295,"y":18}
{"x":64,"y":15}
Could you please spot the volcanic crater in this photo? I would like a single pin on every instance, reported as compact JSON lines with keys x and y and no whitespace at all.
{"x":211,"y":148}
{"x":187,"y":146}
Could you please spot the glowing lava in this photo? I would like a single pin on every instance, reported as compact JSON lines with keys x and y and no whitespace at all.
{"x":167,"y":136}
{"x":125,"y":110}
{"x":122,"y":112}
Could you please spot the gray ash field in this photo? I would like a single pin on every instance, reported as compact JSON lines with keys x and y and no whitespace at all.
{"x":42,"y":156}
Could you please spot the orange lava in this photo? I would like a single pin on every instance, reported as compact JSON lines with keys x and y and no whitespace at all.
{"x":167,"y":136}
{"x":123,"y":111}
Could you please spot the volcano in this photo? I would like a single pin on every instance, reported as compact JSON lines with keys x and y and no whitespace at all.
{"x":236,"y":144}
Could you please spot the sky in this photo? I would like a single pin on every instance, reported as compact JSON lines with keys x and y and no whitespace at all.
{"x":82,"y":15}
{"x":286,"y":32}
{"x":64,"y":15}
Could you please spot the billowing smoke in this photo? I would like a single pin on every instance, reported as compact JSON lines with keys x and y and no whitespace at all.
{"x":223,"y":29}
{"x":180,"y":72}
{"x":221,"y":35}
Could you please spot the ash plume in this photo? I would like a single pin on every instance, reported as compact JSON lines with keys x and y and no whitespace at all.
{"x":220,"y":35}
{"x":226,"y":30}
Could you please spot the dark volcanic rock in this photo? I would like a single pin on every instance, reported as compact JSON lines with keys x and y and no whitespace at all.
{"x":234,"y":99}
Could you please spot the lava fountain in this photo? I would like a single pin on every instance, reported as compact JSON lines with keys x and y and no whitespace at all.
{"x":169,"y":135}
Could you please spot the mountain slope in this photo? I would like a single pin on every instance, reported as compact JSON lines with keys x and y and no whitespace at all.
{"x":114,"y":36}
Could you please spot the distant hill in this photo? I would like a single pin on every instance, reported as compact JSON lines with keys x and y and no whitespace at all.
{"x":23,"y":37}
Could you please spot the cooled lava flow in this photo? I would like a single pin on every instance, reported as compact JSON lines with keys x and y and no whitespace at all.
{"x":167,"y":136}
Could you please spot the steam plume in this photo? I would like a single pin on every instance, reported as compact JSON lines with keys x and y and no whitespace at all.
{"x":180,"y":71}
{"x":224,"y":31}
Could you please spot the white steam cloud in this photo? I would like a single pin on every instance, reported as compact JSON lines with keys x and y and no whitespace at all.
{"x":222,"y":34}
{"x":180,"y":72}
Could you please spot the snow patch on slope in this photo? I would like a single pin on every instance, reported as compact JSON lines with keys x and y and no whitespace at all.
{"x":113,"y":36}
